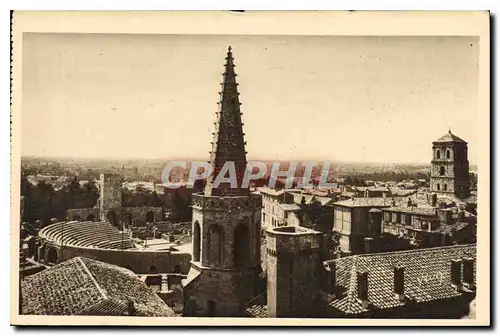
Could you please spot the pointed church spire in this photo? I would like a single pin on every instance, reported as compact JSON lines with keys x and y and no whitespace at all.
{"x":228,"y":144}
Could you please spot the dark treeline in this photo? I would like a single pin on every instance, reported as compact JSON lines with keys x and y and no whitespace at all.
{"x":141,"y":197}
{"x":397,"y":176}
{"x":43,"y":202}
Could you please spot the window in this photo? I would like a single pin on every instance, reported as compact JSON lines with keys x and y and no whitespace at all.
{"x":438,"y":187}
{"x":445,"y":187}
{"x":241,"y":246}
{"x":448,"y":154}
{"x":442,"y":170}
{"x":438,"y":154}
{"x":196,"y":241}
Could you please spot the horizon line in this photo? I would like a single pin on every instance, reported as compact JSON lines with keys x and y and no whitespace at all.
{"x":90,"y":158}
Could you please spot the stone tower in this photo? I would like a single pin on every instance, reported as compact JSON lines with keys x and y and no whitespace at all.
{"x":226,"y":221}
{"x":110,"y":199}
{"x":293,"y":271}
{"x":450,"y":166}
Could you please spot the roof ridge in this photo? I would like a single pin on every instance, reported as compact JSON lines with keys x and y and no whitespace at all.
{"x":94,"y":280}
{"x":411,"y":251}
{"x":352,"y":281}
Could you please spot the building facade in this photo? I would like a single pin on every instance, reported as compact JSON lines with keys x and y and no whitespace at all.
{"x":450,"y":166}
{"x":276,"y":204}
{"x":355,"y":220}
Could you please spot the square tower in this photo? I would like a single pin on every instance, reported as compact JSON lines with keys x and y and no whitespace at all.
{"x":294,"y":271}
{"x":450,"y":166}
{"x":110,"y":199}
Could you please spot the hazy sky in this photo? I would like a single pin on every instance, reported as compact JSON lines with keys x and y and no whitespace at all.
{"x":377,"y":99}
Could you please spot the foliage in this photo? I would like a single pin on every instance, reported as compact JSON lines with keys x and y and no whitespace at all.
{"x":43,"y":202}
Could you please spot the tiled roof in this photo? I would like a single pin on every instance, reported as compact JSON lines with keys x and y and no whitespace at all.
{"x":272,"y":192}
{"x":257,"y":307}
{"x":447,"y":229}
{"x":427,"y":277}
{"x":82,"y":286}
{"x":449,"y":137}
{"x":324,"y":200}
{"x":427,"y":211}
{"x":370,"y":202}
{"x":402,"y":192}
{"x":472,"y":199}
{"x":297,"y":197}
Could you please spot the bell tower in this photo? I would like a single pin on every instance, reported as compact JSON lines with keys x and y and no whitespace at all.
{"x":226,"y":220}
{"x":450,"y":166}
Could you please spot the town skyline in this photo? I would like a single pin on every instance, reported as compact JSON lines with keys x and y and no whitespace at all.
{"x":384,"y":99}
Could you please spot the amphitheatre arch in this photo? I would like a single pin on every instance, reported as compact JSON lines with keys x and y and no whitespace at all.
{"x":77,"y":218}
{"x":112,"y":218}
{"x":150,"y":217}
{"x":52,"y":256}
{"x":91,"y":218}
{"x":128,"y":217}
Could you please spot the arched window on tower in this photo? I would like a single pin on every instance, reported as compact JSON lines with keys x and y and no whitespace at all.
{"x":448,"y":154}
{"x":215,"y":244}
{"x":442,"y":170}
{"x":438,"y":154}
{"x":445,"y":187}
{"x":438,"y":186}
{"x":241,"y":246}
{"x":196,"y":241}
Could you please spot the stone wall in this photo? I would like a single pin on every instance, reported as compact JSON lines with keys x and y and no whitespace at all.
{"x":88,"y":214}
{"x":139,"y":261}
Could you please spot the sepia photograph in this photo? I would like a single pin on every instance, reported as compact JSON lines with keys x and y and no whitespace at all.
{"x":324,"y":172}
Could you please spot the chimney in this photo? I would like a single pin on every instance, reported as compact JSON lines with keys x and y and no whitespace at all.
{"x":330,"y":278}
{"x":363,"y":288}
{"x":368,"y":244}
{"x":399,"y":282}
{"x":468,"y":272}
{"x":456,"y":273}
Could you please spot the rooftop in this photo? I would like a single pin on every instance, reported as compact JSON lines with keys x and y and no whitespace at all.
{"x":427,"y":277}
{"x":289,"y":207}
{"x":83,"y":286}
{"x":449,"y":137}
{"x":370,"y":202}
{"x":427,"y":211}
{"x":270,"y":191}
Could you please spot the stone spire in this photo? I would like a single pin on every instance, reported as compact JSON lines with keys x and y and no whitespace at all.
{"x":228,"y":143}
